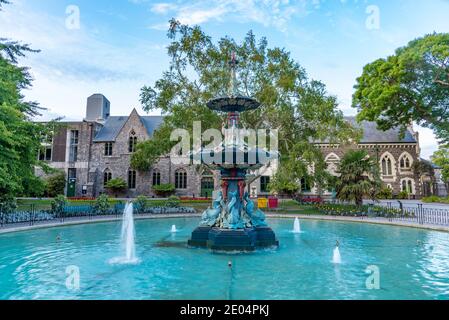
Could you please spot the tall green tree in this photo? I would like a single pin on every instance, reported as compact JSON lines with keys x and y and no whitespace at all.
{"x":300,"y":108}
{"x":441,"y":159}
{"x":359,"y":177}
{"x":20,"y":138}
{"x":411,"y":85}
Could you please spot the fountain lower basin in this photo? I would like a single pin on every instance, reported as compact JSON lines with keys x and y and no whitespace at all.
{"x":248,"y":239}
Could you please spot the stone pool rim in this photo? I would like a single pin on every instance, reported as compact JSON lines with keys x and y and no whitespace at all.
{"x":345,"y":219}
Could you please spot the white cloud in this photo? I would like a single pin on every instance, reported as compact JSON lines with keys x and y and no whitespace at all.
{"x":269,"y":13}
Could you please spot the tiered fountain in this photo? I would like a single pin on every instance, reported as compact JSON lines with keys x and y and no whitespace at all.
{"x":233,"y":223}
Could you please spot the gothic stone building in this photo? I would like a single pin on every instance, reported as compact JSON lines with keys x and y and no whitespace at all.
{"x":99,"y":148}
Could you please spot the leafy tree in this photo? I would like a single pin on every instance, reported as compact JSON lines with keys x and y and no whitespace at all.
{"x":359,"y":177}
{"x":56,"y":184}
{"x":116,"y":186}
{"x":411,"y":85}
{"x":20,"y":138}
{"x":441,"y":159}
{"x":301,"y":108}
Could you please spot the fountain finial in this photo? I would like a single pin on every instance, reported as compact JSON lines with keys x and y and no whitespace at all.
{"x":233,"y":91}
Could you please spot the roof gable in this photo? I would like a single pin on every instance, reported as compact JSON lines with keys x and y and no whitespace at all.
{"x":114,"y":125}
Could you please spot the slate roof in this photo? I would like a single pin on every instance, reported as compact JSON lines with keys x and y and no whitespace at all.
{"x":371,"y":134}
{"x":113,"y":125}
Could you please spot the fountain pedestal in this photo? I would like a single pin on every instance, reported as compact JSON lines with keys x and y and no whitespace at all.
{"x":248,"y":239}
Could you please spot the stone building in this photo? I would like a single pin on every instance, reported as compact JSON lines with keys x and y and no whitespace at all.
{"x":99,"y":148}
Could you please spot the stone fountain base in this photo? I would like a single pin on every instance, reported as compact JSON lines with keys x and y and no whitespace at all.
{"x":248,"y":239}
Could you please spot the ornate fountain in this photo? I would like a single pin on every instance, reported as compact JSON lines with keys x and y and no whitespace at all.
{"x":233,"y":223}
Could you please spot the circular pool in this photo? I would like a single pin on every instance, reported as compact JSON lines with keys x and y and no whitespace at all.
{"x":406,"y":263}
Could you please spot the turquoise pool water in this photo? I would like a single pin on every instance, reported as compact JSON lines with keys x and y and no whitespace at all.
{"x":413,"y":264}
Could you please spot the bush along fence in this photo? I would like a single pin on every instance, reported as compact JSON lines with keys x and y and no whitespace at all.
{"x":418,"y":214}
{"x":33,"y":216}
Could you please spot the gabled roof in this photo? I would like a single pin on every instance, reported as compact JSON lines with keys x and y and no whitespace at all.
{"x":113,"y":126}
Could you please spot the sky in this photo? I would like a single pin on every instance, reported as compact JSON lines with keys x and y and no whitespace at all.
{"x":117,"y":47}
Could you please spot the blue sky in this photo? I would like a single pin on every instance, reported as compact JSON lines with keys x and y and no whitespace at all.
{"x":121,"y":44}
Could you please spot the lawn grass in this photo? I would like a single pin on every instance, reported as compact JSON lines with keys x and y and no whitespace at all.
{"x":45,"y":204}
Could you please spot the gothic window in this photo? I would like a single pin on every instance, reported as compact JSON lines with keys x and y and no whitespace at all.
{"x":332,"y":161}
{"x":108,"y":149}
{"x":181,"y":179}
{"x":156,"y":178}
{"x":132,"y":144}
{"x":132,"y":177}
{"x":107,"y":176}
{"x":387,"y":165}
{"x":405,"y":162}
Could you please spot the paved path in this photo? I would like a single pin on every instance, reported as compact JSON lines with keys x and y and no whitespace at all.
{"x":410,"y":204}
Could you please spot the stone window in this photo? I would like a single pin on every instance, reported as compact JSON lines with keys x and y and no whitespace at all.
{"x":108,"y":149}
{"x":74,"y":139}
{"x":156,"y":178}
{"x":305,"y":185}
{"x":408,"y":186}
{"x":132,"y":144}
{"x":264,"y":181}
{"x":181,"y":179}
{"x":132,"y":178}
{"x":107,"y":176}
{"x":45,"y":153}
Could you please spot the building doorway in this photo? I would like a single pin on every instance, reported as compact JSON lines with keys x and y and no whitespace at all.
{"x":207,"y":187}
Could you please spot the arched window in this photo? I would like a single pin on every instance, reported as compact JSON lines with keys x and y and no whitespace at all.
{"x":132,"y":144}
{"x":156,"y":178}
{"x":387,"y":165}
{"x":181,"y":179}
{"x":132,"y":178}
{"x":405,"y":161}
{"x":332,"y":161}
{"x":107,"y":175}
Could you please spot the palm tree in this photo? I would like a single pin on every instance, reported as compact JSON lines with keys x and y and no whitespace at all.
{"x":359,"y":177}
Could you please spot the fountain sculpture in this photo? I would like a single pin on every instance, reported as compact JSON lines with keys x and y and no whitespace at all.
{"x":233,"y":223}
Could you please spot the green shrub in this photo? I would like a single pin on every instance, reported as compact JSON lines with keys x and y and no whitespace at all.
{"x":8,"y":204}
{"x":164,"y":190}
{"x":58,"y":204}
{"x":141,"y":203}
{"x":403,"y":195}
{"x":56,"y":184}
{"x":116,"y":186}
{"x":385,"y":194}
{"x":101,"y":205}
{"x":173,"y":202}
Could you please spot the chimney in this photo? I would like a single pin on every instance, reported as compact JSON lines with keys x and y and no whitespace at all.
{"x":98,"y":108}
